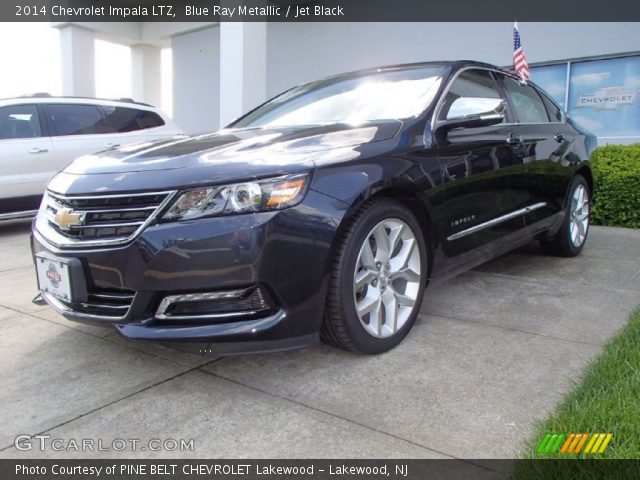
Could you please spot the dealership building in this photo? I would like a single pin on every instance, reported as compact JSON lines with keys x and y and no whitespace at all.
{"x":221,"y":70}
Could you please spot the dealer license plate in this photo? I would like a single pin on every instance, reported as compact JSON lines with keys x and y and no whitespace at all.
{"x":54,"y":277}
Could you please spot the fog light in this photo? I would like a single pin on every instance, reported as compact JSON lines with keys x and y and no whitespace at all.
{"x":222,"y":305}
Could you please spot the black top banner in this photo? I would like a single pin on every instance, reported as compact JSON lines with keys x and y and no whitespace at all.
{"x":318,"y":11}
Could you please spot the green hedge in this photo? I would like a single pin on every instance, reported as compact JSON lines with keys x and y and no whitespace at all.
{"x":616,"y":170}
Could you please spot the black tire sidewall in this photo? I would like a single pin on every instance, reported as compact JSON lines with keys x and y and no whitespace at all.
{"x":374,"y":214}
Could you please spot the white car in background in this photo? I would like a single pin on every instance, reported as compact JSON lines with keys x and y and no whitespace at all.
{"x":41,"y":135}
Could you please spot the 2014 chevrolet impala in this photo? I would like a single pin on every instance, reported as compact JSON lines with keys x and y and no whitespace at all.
{"x":321,"y":214}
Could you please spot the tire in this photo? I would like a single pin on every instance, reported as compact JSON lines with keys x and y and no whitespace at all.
{"x":569,"y":240}
{"x":359,"y":318}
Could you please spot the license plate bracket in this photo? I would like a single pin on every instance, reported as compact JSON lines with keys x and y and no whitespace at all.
{"x":62,"y":278}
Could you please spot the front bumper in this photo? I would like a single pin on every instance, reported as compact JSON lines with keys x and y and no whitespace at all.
{"x":283,"y":253}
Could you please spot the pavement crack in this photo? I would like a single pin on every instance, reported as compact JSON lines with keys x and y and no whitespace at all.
{"x":331,"y":414}
{"x":542,"y":283}
{"x":512,"y":329}
{"x":93,"y":410}
{"x":13,"y":269}
{"x":105,"y":338}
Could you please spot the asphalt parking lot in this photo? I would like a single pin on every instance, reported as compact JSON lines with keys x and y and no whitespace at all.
{"x":493,"y":351}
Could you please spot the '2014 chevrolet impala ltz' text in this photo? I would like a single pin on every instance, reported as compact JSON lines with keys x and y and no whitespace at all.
{"x":322,"y":214}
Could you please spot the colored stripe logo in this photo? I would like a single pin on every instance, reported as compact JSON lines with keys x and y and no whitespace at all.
{"x":575,"y":443}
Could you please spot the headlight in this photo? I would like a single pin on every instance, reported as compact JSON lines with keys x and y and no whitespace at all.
{"x":263,"y":195}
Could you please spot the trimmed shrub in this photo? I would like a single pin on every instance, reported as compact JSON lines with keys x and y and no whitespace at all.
{"x":616,"y":171}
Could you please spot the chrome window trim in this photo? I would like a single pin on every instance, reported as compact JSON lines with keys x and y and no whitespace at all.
{"x":454,"y":77}
{"x":538,"y":91}
{"x":63,"y":243}
{"x":496,"y":221}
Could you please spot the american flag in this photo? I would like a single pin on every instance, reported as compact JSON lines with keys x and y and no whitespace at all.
{"x":519,"y":58}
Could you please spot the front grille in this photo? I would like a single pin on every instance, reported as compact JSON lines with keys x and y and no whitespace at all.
{"x":100,"y":219}
{"x":105,"y":302}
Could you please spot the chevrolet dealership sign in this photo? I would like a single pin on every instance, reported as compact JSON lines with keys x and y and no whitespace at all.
{"x":609,"y":98}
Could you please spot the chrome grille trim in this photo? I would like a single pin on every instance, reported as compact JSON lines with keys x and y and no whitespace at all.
{"x":111,"y":306}
{"x":163,"y":311}
{"x":117,"y":210}
{"x":91,"y":208}
{"x":168,"y":301}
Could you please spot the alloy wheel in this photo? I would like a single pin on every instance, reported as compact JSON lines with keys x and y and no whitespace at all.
{"x":386,"y":281}
{"x":579,"y":215}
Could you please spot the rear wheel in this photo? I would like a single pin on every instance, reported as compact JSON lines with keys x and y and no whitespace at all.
{"x":377,"y":279}
{"x":570,"y":239}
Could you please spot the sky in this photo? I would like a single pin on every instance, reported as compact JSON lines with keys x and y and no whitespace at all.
{"x":30,"y":55}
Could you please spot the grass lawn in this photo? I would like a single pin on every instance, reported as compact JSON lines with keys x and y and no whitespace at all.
{"x":605,"y":400}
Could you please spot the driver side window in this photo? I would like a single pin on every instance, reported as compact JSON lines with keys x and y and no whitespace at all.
{"x":473,"y":85}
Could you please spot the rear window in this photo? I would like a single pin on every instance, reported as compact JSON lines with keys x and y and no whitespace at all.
{"x":77,"y":120}
{"x":526,"y":102}
{"x":131,"y":119}
{"x":555,"y":114}
{"x":19,"y":121}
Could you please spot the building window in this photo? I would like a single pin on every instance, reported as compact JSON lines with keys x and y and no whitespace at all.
{"x":553,"y":80}
{"x":604,"y":97}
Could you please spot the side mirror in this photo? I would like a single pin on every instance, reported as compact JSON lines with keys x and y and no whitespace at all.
{"x":474,"y":112}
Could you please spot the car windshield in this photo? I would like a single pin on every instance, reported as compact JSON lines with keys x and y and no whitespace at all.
{"x":383,"y":95}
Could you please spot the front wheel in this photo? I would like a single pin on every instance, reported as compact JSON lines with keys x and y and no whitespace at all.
{"x":377,"y":279}
{"x":570,"y":239}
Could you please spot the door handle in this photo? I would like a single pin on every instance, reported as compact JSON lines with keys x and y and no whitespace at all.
{"x":38,"y":150}
{"x":514,"y":139}
{"x":112,"y":145}
{"x":558,"y":137}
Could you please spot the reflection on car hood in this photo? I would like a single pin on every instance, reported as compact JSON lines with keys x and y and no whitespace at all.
{"x":250,"y":150}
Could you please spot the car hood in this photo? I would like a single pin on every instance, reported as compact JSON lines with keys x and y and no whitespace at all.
{"x":246,"y":152}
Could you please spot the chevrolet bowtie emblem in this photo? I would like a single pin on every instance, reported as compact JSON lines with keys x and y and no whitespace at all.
{"x":65,"y":218}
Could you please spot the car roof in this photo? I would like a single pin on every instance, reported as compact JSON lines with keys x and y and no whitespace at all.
{"x":43,"y":98}
{"x":453,"y":64}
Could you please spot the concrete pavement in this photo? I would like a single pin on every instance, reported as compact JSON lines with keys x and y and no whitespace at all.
{"x":493,"y":352}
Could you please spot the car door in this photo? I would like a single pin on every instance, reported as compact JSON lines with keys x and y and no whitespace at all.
{"x":547,"y":140}
{"x":483,"y":172}
{"x":78,"y":129}
{"x":26,"y":163}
